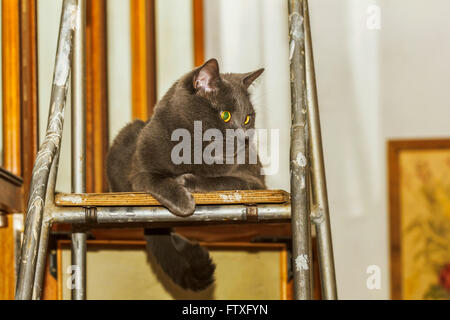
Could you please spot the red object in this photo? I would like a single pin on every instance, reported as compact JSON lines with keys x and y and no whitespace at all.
{"x":444,"y":277}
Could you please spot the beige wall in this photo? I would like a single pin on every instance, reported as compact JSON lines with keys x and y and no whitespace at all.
{"x":119,"y":65}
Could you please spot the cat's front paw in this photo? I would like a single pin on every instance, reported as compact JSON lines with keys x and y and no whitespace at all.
{"x":183,"y":204}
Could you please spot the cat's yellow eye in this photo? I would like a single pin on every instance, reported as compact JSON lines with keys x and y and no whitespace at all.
{"x":226,"y":116}
{"x":247,"y":120}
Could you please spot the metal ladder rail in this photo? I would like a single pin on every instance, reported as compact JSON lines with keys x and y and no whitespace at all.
{"x":46,"y":158}
{"x":320,"y":213}
{"x":42,"y":213}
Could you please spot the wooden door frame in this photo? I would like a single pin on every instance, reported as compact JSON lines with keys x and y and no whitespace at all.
{"x":20,"y":91}
{"x":29,"y":91}
{"x":199,"y":33}
{"x":143,"y":58}
{"x":97,"y":126}
{"x":20,"y":123}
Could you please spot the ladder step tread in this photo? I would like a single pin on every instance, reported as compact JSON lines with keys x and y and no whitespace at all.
{"x":129,"y":199}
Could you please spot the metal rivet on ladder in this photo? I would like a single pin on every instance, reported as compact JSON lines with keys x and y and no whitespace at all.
{"x":91,"y":215}
{"x":252,"y":213}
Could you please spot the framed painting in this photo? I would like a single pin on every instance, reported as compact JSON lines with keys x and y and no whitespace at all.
{"x":419,"y":204}
{"x":121,"y":270}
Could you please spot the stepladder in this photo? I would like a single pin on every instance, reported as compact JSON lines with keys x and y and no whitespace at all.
{"x":305,"y":207}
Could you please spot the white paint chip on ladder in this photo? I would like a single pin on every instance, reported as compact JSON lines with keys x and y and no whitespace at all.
{"x":301,"y":263}
{"x":231,"y":197}
{"x":72,"y":199}
{"x":301,"y":160}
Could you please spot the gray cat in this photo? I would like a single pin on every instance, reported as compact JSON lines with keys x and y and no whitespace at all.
{"x":141,"y":160}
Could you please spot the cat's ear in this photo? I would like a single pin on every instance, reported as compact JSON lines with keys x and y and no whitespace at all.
{"x":249,"y":78}
{"x":207,"y":76}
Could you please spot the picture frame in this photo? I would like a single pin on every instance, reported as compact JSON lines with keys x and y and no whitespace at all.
{"x":419,"y":218}
{"x":279,"y":250}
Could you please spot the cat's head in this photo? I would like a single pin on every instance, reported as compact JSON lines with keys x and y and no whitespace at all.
{"x":226,"y":95}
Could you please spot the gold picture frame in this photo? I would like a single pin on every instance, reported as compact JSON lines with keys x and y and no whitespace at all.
{"x":419,"y":208}
{"x":97,"y":245}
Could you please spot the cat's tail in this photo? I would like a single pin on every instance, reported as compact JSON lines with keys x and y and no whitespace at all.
{"x":186,"y":263}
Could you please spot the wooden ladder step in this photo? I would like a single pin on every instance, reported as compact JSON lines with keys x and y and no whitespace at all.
{"x":127,"y":199}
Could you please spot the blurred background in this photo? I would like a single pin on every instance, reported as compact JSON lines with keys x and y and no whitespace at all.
{"x":382,"y":74}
